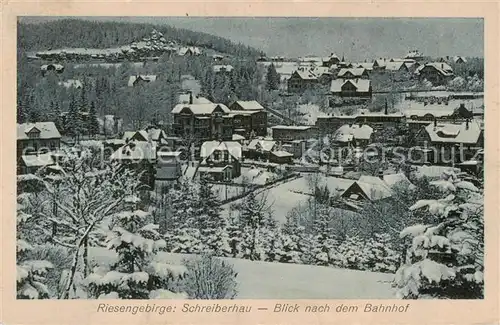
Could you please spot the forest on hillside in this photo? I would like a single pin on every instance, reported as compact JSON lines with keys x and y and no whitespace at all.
{"x":93,"y":34}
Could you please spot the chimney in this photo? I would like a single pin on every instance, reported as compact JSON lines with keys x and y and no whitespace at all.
{"x":386,"y":111}
{"x":190,"y":97}
{"x":435,"y":123}
{"x":466,"y":124}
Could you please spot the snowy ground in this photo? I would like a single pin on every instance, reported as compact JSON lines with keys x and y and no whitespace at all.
{"x":264,"y":280}
{"x":286,"y":196}
{"x":311,"y":113}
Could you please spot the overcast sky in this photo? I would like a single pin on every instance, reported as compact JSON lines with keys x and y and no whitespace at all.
{"x":356,"y":38}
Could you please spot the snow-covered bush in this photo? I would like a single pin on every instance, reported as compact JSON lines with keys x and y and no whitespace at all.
{"x":135,"y":275}
{"x":209,"y":277}
{"x":445,"y":258}
{"x":381,"y":256}
{"x":59,"y":257}
{"x":350,"y":254}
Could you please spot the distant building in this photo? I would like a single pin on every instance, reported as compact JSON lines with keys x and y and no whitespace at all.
{"x":249,"y":117}
{"x":140,"y":79}
{"x":58,"y":68}
{"x":414,"y":55}
{"x":355,"y":135}
{"x":168,"y":167}
{"x":223,"y":68}
{"x":351,"y":88}
{"x":442,"y":142}
{"x":189,"y":51}
{"x":290,"y":132}
{"x":220,"y":159}
{"x":459,"y":59}
{"x":438,"y":73}
{"x":353,"y":73}
{"x":259,"y":149}
{"x":331,"y":60}
{"x":280,"y":157}
{"x":36,"y":137}
{"x":139,"y":156}
{"x":301,"y":79}
{"x":202,"y":122}
{"x":372,"y":188}
{"x":330,"y":123}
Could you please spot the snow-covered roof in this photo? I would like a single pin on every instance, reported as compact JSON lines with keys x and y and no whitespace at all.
{"x":237,"y":137}
{"x":225,"y":68}
{"x":135,"y":150}
{"x":193,"y":49}
{"x":156,"y":134}
{"x":147,"y":78}
{"x":393,"y":179}
{"x":347,"y":133}
{"x":39,"y":160}
{"x":47,"y":130}
{"x":466,"y":132}
{"x":71,"y":83}
{"x":57,"y":67}
{"x":441,"y":67}
{"x":281,"y":153}
{"x":362,"y":85}
{"x":394,"y":66}
{"x":373,"y":187}
{"x":356,"y":72}
{"x":414,"y":54}
{"x":364,"y":65}
{"x":305,"y":74}
{"x":233,"y":147}
{"x":458,"y":58}
{"x":264,"y":145}
{"x":200,"y":109}
{"x":250,"y":105}
{"x":291,"y":127}
{"x":434,"y":171}
{"x":208,"y":169}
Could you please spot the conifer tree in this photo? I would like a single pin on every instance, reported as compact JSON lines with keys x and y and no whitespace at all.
{"x":272,"y":78}
{"x":135,"y":275}
{"x":92,"y":122}
{"x":445,"y":258}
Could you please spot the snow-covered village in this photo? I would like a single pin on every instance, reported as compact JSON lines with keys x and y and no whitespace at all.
{"x":161,"y":160}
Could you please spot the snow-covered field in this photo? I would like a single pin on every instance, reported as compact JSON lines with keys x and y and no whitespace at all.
{"x":264,"y":280}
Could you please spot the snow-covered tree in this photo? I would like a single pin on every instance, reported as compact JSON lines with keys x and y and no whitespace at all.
{"x":89,"y":195}
{"x":31,"y":274}
{"x":381,"y":257}
{"x":209,"y":220}
{"x":294,"y":243}
{"x":350,"y":254}
{"x":254,"y":217}
{"x":135,"y":275}
{"x":445,"y":258}
{"x":323,"y":240}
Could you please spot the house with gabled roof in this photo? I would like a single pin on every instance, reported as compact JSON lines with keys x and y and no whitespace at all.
{"x":202,"y":122}
{"x":249,"y":117}
{"x":351,"y":88}
{"x":189,"y":51}
{"x":373,"y":188}
{"x":356,"y":135}
{"x":219,"y":68}
{"x":140,"y":79}
{"x":221,"y":159}
{"x":440,"y":141}
{"x":35,"y":139}
{"x":52,"y":67}
{"x":260,"y":148}
{"x":353,"y":73}
{"x":302,"y":79}
{"x":139,"y":156}
{"x":438,"y":73}
{"x":459,"y":59}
